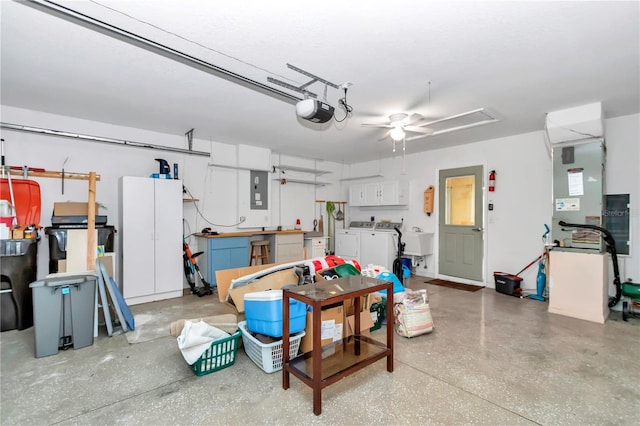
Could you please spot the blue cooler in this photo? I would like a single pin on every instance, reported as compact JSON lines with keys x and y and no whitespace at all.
{"x":263,"y":313}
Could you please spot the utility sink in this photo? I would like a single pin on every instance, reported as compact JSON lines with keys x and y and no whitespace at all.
{"x":417,"y":243}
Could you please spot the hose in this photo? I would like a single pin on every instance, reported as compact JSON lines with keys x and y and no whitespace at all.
{"x":611,"y":248}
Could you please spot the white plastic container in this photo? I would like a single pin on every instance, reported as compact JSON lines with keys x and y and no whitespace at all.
{"x":268,"y":356}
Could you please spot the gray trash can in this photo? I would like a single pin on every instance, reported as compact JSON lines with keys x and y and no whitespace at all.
{"x":63,"y":312}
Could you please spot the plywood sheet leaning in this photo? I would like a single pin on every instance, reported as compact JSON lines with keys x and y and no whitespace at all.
{"x":225,"y":276}
{"x":273,"y":281}
{"x":247,"y":279}
{"x":107,"y":281}
{"x":77,"y":240}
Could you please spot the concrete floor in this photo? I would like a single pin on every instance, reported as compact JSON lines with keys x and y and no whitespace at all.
{"x":492,"y":359}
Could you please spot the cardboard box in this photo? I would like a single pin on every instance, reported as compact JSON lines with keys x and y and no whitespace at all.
{"x":365,"y":304}
{"x":366,"y":322}
{"x":332,"y":328}
{"x":19,"y":232}
{"x":273,"y":281}
{"x":72,"y":209}
{"x":224,"y":277}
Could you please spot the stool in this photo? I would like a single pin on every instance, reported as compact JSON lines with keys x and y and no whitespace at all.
{"x":261,"y":252}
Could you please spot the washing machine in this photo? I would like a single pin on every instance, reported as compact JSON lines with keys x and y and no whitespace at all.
{"x":378,"y":246}
{"x":348,"y":239}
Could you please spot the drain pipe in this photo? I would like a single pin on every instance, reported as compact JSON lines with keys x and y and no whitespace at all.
{"x":105,"y":28}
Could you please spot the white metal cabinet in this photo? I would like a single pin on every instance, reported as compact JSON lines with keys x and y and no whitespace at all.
{"x":389,"y":193}
{"x":372,"y":194}
{"x":315,"y":246}
{"x":356,"y":195}
{"x":285,"y":248}
{"x":151,"y":239}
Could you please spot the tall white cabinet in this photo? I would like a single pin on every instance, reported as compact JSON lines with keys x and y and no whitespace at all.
{"x":150,"y":239}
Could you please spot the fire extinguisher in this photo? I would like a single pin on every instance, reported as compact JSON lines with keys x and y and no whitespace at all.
{"x":492,"y":180}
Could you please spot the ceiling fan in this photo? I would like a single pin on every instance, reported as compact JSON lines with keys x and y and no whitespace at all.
{"x":400,"y":124}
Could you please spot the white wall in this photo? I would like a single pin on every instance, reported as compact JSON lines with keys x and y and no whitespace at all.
{"x":216,"y":188}
{"x":522,"y":199}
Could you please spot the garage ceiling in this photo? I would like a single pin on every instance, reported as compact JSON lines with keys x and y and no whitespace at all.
{"x":518,"y":60}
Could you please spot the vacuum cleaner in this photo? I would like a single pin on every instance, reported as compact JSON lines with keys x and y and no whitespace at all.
{"x":541,"y":279}
{"x":191,"y":268}
{"x":397,"y":263}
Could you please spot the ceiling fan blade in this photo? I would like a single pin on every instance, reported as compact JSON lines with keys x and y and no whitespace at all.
{"x":413,"y":119}
{"x":385,"y":136}
{"x":416,"y":137}
{"x":416,"y":129}
{"x":382,"y":126}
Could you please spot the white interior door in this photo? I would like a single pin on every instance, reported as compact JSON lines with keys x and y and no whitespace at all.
{"x":460,"y":224}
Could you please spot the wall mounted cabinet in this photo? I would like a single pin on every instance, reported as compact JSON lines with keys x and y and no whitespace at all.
{"x":387,"y":193}
{"x":151,"y":238}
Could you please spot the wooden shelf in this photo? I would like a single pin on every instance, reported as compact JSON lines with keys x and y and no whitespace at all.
{"x":54,"y":174}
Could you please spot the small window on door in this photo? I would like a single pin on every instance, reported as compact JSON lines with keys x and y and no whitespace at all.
{"x":460,"y":200}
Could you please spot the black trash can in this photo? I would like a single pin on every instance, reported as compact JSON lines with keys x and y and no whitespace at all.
{"x":18,"y":268}
{"x":58,"y":243}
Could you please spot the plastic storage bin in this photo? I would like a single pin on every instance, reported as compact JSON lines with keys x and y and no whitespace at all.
{"x":263,"y":313}
{"x":507,"y":283}
{"x":390,"y":276}
{"x":268,"y":356}
{"x":63,"y":312}
{"x":221,"y":354}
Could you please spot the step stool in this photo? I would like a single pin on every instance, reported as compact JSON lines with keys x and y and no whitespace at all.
{"x":259,"y":251}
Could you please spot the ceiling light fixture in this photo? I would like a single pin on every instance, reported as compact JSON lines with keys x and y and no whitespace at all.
{"x":397,"y":134}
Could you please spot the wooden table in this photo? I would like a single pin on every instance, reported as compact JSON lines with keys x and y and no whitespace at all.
{"x":352,"y":353}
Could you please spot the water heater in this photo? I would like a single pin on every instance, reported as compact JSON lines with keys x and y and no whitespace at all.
{"x":578,"y":194}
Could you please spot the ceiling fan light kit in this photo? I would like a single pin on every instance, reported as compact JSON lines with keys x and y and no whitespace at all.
{"x":397,"y":133}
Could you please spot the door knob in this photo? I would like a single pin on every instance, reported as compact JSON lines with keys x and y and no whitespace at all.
{"x":476,"y":229}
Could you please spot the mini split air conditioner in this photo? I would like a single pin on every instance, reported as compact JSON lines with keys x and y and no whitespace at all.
{"x":575,"y":124}
{"x":314,"y":110}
